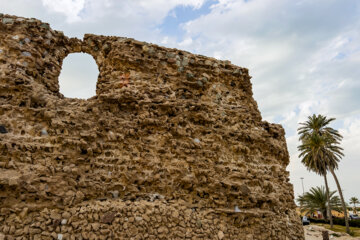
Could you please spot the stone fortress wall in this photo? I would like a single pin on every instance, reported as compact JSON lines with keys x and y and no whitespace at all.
{"x":171,"y":147}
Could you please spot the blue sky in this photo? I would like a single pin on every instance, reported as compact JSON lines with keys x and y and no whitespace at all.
{"x":172,"y":23}
{"x":303,"y":55}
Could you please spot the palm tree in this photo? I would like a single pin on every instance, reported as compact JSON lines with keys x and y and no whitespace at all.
{"x":318,"y":124}
{"x":354,"y":201}
{"x":326,"y":149}
{"x":311,"y":154}
{"x":316,"y":200}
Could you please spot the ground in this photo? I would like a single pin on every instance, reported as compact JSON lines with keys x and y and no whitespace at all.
{"x":314,"y":232}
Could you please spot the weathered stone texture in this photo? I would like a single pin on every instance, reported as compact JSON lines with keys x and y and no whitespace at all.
{"x":172,"y":145}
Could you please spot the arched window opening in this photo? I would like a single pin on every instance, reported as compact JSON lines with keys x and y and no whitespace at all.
{"x":78,"y":76}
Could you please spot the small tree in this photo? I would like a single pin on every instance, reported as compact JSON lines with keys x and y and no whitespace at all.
{"x":316,"y":200}
{"x":354,"y":201}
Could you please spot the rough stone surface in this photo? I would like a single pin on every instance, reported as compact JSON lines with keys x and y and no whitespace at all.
{"x":172,"y":145}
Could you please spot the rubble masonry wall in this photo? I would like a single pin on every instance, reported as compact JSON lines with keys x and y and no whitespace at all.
{"x":171,"y":147}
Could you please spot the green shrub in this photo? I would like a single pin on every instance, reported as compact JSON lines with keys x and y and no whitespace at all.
{"x":337,"y":221}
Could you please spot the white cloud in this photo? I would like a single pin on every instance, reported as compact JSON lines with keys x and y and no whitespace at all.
{"x":70,"y":8}
{"x":186,"y":42}
{"x":130,"y":18}
{"x":303,"y":56}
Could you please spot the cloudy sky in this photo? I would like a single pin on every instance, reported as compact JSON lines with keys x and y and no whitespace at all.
{"x":304,"y":55}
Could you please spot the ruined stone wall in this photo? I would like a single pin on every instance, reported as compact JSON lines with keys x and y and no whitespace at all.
{"x":172,"y":145}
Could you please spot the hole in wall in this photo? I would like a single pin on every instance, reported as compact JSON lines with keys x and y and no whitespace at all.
{"x":78,"y":76}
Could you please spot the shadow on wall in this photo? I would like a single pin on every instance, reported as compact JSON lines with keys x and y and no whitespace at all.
{"x":78,"y":76}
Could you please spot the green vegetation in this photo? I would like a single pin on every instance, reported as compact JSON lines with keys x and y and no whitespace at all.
{"x":320,"y":152}
{"x":337,"y":221}
{"x":316,"y":200}
{"x":354,"y":201}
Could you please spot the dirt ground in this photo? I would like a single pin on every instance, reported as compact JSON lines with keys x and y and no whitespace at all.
{"x":313,"y":232}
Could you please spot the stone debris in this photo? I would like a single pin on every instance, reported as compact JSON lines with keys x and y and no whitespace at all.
{"x":315,"y":232}
{"x":171,"y":142}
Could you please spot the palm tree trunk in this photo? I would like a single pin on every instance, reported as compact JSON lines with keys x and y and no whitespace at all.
{"x":328,"y":200}
{"x":342,"y":199}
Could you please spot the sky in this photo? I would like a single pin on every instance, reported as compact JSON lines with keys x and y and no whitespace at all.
{"x":303,"y":56}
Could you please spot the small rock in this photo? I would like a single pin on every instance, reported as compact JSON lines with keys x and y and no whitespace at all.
{"x":54,"y":215}
{"x":163,"y":230}
{"x":151,"y":51}
{"x":13,"y":229}
{"x":236,"y":209}
{"x":27,"y":40}
{"x":108,"y":218}
{"x":170,"y":55}
{"x":171,"y":60}
{"x":3,"y":129}
{"x":206,"y":75}
{"x":196,"y":140}
{"x":221,"y":235}
{"x":79,"y":195}
{"x":115,"y":193}
{"x":16,"y":37}
{"x":66,"y":215}
{"x":95,"y":226}
{"x":146,"y":218}
{"x":56,"y":223}
{"x":63,"y":222}
{"x":8,"y":21}
{"x":145,"y":48}
{"x":31,"y":20}
{"x":48,"y":34}
{"x":249,"y":237}
{"x":189,"y":75}
{"x":53,"y":235}
{"x":24,"y":213}
{"x":106,"y":48}
{"x":26,"y":54}
{"x":67,"y":169}
{"x":207,"y":63}
{"x":13,"y":181}
{"x":245,"y":190}
{"x":59,"y":236}
{"x":45,"y":25}
{"x":185,"y":61}
{"x":175,"y":214}
{"x":237,"y":71}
